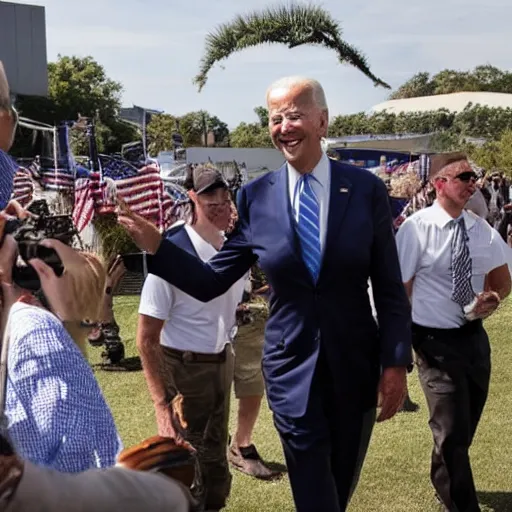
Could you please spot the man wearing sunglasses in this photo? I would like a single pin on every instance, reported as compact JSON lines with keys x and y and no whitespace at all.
{"x":455,"y":271}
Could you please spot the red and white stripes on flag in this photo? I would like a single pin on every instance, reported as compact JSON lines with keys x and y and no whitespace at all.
{"x":23,"y":186}
{"x":83,"y":210}
{"x":144,"y":193}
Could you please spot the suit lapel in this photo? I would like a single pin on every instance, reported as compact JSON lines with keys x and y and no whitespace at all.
{"x":339,"y":198}
{"x":284,"y":217}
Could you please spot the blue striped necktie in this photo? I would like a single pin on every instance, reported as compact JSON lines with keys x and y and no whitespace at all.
{"x":309,"y":226}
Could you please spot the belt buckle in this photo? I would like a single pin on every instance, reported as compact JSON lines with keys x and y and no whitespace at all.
{"x":188,"y":356}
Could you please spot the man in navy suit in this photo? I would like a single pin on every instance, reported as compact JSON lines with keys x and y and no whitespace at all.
{"x":320,"y":230}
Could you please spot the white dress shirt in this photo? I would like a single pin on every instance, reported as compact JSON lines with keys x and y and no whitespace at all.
{"x":189,"y":323}
{"x":424,"y":249}
{"x":321,"y":187}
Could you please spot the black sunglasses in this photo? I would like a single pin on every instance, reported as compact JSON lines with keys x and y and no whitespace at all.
{"x":466,"y":176}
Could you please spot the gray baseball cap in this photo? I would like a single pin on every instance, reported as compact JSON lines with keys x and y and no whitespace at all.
{"x":208,"y":178}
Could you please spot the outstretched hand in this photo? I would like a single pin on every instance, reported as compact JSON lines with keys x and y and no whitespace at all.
{"x":145,"y":234}
{"x":56,"y":289}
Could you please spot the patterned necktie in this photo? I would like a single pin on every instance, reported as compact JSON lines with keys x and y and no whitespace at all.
{"x":309,"y":226}
{"x":462,"y":290}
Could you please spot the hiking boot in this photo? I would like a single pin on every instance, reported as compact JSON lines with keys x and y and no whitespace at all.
{"x":247,"y":460}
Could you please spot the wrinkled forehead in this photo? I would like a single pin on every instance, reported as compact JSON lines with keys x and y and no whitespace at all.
{"x":283,"y":99}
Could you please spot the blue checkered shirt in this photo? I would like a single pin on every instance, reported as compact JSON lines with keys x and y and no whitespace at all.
{"x":7,"y":171}
{"x":57,"y":414}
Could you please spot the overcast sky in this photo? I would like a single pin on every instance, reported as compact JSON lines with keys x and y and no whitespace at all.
{"x":153,"y":47}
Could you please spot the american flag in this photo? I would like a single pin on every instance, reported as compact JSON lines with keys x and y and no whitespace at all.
{"x":83,"y":210}
{"x":142,"y":190}
{"x":60,"y":179}
{"x":57,"y":180}
{"x":23,"y":186}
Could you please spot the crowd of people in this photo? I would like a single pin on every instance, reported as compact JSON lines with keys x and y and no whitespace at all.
{"x":335,"y":356}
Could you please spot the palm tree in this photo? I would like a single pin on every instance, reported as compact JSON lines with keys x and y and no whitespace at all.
{"x":295,"y":25}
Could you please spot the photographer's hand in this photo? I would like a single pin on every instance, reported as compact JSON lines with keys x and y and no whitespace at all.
{"x":15,"y":209}
{"x":57,"y":289}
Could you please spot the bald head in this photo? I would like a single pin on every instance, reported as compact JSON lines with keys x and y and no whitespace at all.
{"x":300,"y":83}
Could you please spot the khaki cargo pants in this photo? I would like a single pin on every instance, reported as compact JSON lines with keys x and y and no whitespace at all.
{"x":248,"y":346}
{"x":206,"y":388}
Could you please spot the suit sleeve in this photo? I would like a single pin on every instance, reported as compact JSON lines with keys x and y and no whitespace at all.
{"x":205,"y":281}
{"x":391,"y":302}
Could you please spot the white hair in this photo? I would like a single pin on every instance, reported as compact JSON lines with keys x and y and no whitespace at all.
{"x":313,"y":85}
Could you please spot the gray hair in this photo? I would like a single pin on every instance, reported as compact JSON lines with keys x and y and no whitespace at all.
{"x":313,"y":85}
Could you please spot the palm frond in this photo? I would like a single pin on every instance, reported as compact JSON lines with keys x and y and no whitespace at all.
{"x":293,"y":26}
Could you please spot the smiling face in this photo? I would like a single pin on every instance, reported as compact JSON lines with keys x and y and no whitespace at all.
{"x":297,"y":125}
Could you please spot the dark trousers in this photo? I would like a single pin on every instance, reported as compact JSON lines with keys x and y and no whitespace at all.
{"x":454,"y":368}
{"x":206,"y":390}
{"x":325,"y":449}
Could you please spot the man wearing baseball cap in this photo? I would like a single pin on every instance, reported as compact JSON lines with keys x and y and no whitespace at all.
{"x":186,"y":345}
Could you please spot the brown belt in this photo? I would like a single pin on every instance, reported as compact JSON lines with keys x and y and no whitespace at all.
{"x":187,"y":356}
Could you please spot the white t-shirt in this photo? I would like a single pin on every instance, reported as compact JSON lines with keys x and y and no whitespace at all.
{"x":192,"y":325}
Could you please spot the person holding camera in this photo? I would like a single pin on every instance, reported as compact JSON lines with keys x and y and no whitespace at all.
{"x":27,"y":486}
{"x":57,"y":415}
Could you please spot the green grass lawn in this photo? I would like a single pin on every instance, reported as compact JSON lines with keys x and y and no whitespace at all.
{"x":396,"y":473}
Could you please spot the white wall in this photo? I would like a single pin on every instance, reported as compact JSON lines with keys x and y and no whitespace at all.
{"x":253,"y":158}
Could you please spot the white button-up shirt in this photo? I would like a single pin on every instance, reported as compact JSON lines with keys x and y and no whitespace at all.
{"x":189,"y":323}
{"x":424,"y":248}
{"x":321,"y":187}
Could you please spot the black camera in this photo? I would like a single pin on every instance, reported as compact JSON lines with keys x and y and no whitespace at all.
{"x":29,"y":233}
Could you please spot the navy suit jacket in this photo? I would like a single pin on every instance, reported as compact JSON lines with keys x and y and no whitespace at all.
{"x":335,"y":311}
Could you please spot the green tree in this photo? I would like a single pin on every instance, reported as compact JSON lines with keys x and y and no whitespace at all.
{"x":250,"y":135}
{"x":159,"y":133}
{"x":494,"y":155}
{"x":483,"y":78}
{"x":80,"y":86}
{"x":194,"y":124}
{"x":419,"y":85}
{"x":293,"y":26}
{"x":262,"y":114}
{"x":473,"y":121}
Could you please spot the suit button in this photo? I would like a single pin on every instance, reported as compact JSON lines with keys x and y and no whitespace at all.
{"x":281,"y":345}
